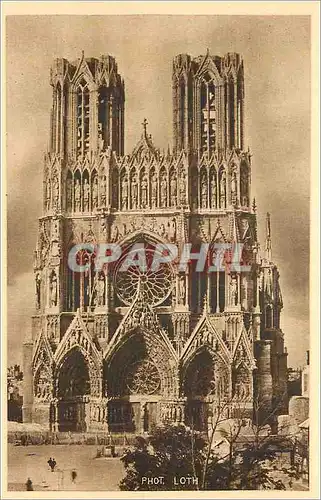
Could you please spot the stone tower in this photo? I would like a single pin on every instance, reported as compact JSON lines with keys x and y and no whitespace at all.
{"x":125,"y":350}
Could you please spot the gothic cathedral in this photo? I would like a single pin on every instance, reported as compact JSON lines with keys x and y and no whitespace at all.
{"x":122,"y":351}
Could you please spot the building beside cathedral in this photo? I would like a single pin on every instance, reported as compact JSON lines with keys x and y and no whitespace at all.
{"x":122,"y":351}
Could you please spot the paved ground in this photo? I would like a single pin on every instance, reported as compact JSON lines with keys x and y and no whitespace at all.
{"x":102,"y":474}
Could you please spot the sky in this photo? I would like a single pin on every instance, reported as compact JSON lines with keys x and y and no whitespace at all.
{"x":276,"y":53}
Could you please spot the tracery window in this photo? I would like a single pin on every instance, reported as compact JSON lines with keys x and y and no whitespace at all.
{"x":208,"y":114}
{"x":82,"y":118}
{"x":231,"y":112}
{"x":143,"y":378}
{"x":156,"y":284}
{"x":182,"y":117}
{"x":81,"y":286}
{"x":103,"y":115}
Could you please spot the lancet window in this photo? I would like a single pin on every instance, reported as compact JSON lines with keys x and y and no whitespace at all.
{"x":208,"y":114}
{"x":82,"y":118}
{"x":83,"y":288}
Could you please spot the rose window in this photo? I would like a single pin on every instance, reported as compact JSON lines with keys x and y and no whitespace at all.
{"x":155,"y":284}
{"x":143,"y":378}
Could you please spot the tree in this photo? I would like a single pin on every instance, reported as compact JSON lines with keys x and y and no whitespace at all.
{"x":252,"y":449}
{"x":175,"y":451}
{"x":170,"y":452}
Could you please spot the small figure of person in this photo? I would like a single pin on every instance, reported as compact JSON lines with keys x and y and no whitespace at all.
{"x":29,"y":486}
{"x":52,"y":464}
{"x":73,"y":476}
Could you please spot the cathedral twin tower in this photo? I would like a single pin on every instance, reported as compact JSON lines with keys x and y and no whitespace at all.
{"x":107,"y":353}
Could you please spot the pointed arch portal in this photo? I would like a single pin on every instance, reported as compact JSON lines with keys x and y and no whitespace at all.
{"x":205,"y":382}
{"x":137,"y":377}
{"x":73,"y":387}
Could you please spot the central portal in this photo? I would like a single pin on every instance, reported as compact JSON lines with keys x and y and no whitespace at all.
{"x":133,"y":415}
{"x":134,"y":387}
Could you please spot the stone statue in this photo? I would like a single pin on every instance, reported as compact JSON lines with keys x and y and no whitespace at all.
{"x":163,"y":192}
{"x":203,"y":193}
{"x":173,"y":187}
{"x":182,"y":189}
{"x":77,"y":196}
{"x":244,"y":188}
{"x":233,"y":290}
{"x":143,"y":192}
{"x":181,"y":289}
{"x":69,"y":193}
{"x":114,"y":234}
{"x":48,"y":194}
{"x":124,"y":192}
{"x":53,"y":289}
{"x":234,"y":188}
{"x":162,"y":231}
{"x":86,"y":195}
{"x":154,"y":190}
{"x":223,"y":191}
{"x":134,"y":191}
{"x":100,"y":291}
{"x":172,"y":230}
{"x":55,"y":230}
{"x":55,"y":191}
{"x":213,"y":192}
{"x":38,"y":290}
{"x":95,"y":193}
{"x":103,"y":190}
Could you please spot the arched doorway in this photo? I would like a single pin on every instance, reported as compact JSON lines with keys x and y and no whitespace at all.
{"x":199,"y":383}
{"x":206,"y":384}
{"x":73,"y":387}
{"x":135,"y":382}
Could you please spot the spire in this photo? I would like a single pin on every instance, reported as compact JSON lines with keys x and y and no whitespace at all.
{"x":145,"y":123}
{"x":268,"y":244}
{"x":206,"y":305}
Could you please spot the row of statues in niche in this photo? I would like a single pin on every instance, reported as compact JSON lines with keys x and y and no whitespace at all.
{"x":94,"y":291}
{"x":53,"y":290}
{"x":241,"y":384}
{"x":98,"y":293}
{"x":166,"y":231}
{"x":43,"y":386}
{"x":156,"y":191}
{"x":83,"y":195}
{"x":213,"y":193}
{"x":172,"y":413}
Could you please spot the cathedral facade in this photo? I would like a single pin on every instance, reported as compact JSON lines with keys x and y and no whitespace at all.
{"x":122,"y":351}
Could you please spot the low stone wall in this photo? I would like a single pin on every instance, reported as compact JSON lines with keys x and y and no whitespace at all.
{"x":25,"y":438}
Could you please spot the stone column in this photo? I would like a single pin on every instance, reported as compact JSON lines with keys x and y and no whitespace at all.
{"x":263,"y":390}
{"x":27,"y":382}
{"x":55,"y":419}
